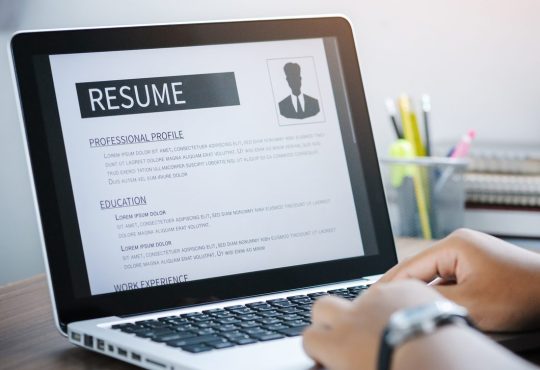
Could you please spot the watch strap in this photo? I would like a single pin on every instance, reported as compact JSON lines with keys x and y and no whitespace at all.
{"x":386,"y":350}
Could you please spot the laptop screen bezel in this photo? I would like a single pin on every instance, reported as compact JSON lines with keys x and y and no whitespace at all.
{"x":69,"y":307}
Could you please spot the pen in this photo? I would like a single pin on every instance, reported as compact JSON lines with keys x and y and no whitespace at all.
{"x":391,"y":109}
{"x":426,"y":109}
{"x":462,"y":148}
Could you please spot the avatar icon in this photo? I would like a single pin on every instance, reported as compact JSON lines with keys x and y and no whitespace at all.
{"x":297,"y":105}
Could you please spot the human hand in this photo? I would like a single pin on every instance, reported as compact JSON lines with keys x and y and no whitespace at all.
{"x":346,"y":335}
{"x":497,"y":282}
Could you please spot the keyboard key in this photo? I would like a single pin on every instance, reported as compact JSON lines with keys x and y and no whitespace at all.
{"x":269,"y":321}
{"x":191,"y":314}
{"x":248,"y":317}
{"x":317,"y":295}
{"x":290,"y":317}
{"x":194,"y":340}
{"x":297,"y":297}
{"x":255,"y":304}
{"x":201,"y":318}
{"x":262,"y":307}
{"x":214,"y":310}
{"x":172,"y":336}
{"x":236,"y":307}
{"x":236,"y":337}
{"x":197,"y":348}
{"x":275,"y":327}
{"x":233,"y":334}
{"x":277,"y":300}
{"x":178,"y":321}
{"x":221,"y":315}
{"x":136,"y":328}
{"x":356,"y":288}
{"x":226,"y":328}
{"x":290,"y":310}
{"x":185,"y":327}
{"x":248,"y":324}
{"x":265,"y":336}
{"x":143,"y":322}
{"x":122,"y":326}
{"x":270,"y":313}
{"x":206,"y":331}
{"x":304,"y":307}
{"x":245,"y":341}
{"x":292,"y":332}
{"x":283,"y":304}
{"x":242,"y":311}
{"x":167,"y":318}
{"x":207,"y":324}
{"x":255,"y":330}
{"x":220,"y":345}
{"x":151,"y":333}
{"x":228,"y":320}
{"x":297,"y":323}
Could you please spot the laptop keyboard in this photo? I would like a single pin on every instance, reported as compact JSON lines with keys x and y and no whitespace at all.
{"x":231,"y":326}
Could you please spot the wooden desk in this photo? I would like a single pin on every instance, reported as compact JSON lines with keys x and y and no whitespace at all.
{"x":29,"y":340}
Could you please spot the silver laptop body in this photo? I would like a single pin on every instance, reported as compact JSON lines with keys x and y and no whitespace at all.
{"x":198,"y":186}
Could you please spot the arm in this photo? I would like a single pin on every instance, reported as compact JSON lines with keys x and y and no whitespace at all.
{"x":345,"y":335}
{"x":456,"y":348}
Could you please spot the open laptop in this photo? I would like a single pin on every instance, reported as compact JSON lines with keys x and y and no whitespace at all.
{"x":199,"y":186}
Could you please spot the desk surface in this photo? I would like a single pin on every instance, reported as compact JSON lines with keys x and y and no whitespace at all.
{"x":29,"y":340}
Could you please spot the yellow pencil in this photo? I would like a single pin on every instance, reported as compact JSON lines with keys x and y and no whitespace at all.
{"x":410,"y":126}
{"x":412,"y":134}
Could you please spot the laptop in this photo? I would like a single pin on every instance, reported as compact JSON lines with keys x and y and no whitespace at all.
{"x":199,"y":186}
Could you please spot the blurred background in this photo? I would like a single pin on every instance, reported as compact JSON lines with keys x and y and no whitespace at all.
{"x":478,"y":59}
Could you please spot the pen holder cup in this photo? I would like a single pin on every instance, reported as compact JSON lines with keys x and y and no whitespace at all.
{"x":425,"y":196}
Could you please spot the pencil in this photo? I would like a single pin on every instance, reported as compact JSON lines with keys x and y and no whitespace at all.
{"x":391,"y":109}
{"x":426,"y":109}
{"x":411,"y":133}
{"x":410,"y":126}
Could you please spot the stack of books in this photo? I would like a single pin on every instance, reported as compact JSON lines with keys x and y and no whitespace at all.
{"x":503,"y":190}
{"x":509,"y":178}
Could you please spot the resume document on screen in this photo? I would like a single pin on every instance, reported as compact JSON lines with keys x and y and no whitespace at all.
{"x":197,"y":162}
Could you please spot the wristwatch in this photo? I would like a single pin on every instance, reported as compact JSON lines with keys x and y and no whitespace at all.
{"x":417,"y":321}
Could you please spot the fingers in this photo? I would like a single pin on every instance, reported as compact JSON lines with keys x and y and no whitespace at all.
{"x":315,"y":342}
{"x":327,"y":310}
{"x":318,"y":337}
{"x":438,"y":261}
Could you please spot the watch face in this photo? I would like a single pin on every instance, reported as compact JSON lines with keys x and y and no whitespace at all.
{"x":420,"y":315}
{"x":422,"y":319}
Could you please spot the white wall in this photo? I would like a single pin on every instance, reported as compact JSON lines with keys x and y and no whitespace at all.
{"x":478,"y":59}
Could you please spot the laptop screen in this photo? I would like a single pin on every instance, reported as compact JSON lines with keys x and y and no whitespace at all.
{"x":195,"y":162}
{"x":180,"y":164}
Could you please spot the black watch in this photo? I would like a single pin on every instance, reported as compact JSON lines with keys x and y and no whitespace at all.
{"x":416,"y":321}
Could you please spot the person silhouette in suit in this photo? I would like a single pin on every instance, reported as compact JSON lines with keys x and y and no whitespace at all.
{"x":297,"y":105}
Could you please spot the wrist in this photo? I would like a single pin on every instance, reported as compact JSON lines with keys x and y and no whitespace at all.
{"x":417,"y":321}
{"x":424,"y":352}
